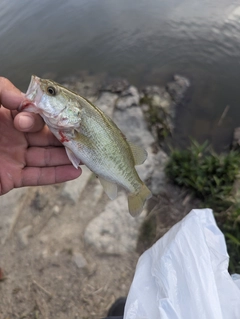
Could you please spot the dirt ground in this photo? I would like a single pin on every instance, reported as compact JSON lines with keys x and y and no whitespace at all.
{"x":48,"y":270}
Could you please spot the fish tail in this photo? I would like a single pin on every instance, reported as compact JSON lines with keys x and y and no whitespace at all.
{"x":136,"y":201}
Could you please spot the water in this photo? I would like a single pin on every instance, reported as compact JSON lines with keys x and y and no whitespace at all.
{"x":145,"y":41}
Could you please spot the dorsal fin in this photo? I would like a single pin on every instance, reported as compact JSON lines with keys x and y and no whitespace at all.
{"x":139,"y":153}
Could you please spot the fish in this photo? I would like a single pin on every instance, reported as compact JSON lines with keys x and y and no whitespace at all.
{"x":90,"y":137}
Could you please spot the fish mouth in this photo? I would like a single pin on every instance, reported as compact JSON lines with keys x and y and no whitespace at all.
{"x":33,"y":96}
{"x":32,"y":88}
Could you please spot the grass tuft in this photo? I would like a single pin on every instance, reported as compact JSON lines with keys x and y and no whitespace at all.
{"x":211,"y":178}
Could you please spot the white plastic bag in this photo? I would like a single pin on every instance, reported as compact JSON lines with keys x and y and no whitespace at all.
{"x":184,"y":275}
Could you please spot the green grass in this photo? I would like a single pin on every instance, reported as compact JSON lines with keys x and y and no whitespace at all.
{"x":211,"y":178}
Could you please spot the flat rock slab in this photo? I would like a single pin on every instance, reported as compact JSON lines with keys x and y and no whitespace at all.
{"x":114,"y":231}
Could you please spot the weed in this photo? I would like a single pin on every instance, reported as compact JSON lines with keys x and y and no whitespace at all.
{"x":158,"y":119}
{"x":211,"y":178}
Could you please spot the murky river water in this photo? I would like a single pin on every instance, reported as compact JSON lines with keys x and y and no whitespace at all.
{"x":145,"y":41}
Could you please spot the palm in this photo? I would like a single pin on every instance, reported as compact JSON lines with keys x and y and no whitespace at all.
{"x":30,"y":158}
{"x":13,"y":147}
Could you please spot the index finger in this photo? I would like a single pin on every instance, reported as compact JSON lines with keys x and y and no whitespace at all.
{"x":10,"y":96}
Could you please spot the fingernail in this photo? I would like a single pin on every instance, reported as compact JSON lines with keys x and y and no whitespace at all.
{"x":25,"y":122}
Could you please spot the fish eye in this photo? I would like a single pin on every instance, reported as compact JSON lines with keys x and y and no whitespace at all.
{"x":51,"y":90}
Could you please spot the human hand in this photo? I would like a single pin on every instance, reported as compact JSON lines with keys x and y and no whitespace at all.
{"x":30,"y":155}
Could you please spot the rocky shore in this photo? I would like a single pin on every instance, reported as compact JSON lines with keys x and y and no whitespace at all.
{"x":67,"y":251}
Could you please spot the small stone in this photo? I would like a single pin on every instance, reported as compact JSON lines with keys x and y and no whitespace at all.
{"x":23,"y":235}
{"x":56,"y":210}
{"x":79,"y":260}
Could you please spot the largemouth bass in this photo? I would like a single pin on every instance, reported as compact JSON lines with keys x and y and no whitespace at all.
{"x":90,"y":137}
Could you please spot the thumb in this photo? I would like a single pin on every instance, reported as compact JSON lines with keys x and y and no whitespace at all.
{"x":28,"y":122}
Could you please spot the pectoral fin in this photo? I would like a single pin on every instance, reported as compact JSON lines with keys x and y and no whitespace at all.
{"x":109,"y":188}
{"x":139,"y":153}
{"x":72,"y":157}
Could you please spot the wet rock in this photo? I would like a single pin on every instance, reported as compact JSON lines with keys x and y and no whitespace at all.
{"x":178,"y":87}
{"x":236,"y":138}
{"x":129,"y":97}
{"x":158,"y":96}
{"x":114,"y":231}
{"x":115,"y":85}
{"x":84,"y":84}
{"x":159,"y":110}
{"x":159,"y":106}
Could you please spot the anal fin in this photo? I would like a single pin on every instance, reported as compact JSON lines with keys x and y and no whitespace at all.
{"x":110,"y":188}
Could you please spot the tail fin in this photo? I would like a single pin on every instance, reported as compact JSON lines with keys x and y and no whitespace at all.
{"x":136,"y":201}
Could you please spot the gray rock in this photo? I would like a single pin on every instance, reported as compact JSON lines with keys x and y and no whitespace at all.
{"x":178,"y":87}
{"x":79,"y":260}
{"x":129,"y":97}
{"x":153,"y":169}
{"x":158,"y":96}
{"x":84,"y":84}
{"x":114,"y":231}
{"x":115,"y":85}
{"x":236,"y":138}
{"x":153,"y":89}
{"x":146,"y":170}
{"x":132,"y":123}
{"x":162,"y":103}
{"x":106,"y":102}
{"x":158,"y":179}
